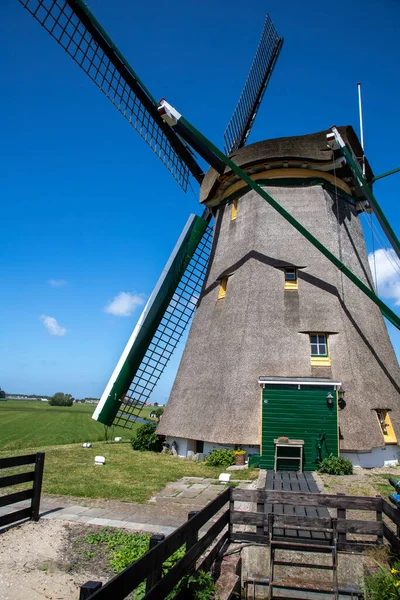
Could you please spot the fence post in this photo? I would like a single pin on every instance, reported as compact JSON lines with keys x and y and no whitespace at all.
{"x":37,"y":486}
{"x":89,"y":588}
{"x":156,"y":574}
{"x":379,"y":538}
{"x":341,"y":514}
{"x":261,"y":529}
{"x":231,"y":511}
{"x":193,"y":536}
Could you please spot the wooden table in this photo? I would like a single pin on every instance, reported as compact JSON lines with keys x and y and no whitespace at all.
{"x":295,"y":444}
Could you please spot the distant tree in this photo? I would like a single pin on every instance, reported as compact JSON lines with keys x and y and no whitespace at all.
{"x":155,"y":403}
{"x":61,"y":399}
{"x":158,"y":413}
{"x":2,"y":393}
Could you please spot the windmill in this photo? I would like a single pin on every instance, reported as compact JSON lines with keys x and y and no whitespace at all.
{"x":252,"y":356}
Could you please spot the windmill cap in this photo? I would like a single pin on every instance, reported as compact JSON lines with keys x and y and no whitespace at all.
{"x":310,"y":148}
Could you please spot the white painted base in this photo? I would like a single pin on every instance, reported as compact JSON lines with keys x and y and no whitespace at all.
{"x":185,"y":446}
{"x":385,"y":456}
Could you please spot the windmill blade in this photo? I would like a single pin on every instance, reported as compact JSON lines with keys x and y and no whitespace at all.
{"x":75,"y":28}
{"x":159,"y":329}
{"x":243,"y":117}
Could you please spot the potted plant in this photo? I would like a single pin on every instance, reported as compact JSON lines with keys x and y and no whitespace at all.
{"x":239,"y":455}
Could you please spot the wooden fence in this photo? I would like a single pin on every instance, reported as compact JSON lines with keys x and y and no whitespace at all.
{"x":228,"y":519}
{"x":33,"y":493}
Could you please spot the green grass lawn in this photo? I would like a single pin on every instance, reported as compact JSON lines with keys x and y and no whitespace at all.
{"x":127,"y":475}
{"x":35,"y":424}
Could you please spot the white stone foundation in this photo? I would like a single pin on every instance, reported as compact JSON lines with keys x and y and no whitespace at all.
{"x":185,"y":446}
{"x":385,"y":456}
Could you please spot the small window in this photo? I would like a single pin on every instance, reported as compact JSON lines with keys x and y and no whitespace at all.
{"x":386,"y":426}
{"x":319,"y":350}
{"x":222,"y":288}
{"x":234,"y":210}
{"x":291,"y":278}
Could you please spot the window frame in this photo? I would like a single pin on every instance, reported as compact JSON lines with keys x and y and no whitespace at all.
{"x":234,"y":209}
{"x":385,"y":423}
{"x":291,"y":284}
{"x":223,"y":283}
{"x":319,"y":359}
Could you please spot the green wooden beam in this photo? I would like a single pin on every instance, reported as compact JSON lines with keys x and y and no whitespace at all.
{"x":385,"y":174}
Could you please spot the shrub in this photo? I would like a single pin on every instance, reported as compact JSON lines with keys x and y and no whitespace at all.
{"x":146,"y":438}
{"x":336,"y":465}
{"x":61,"y":399}
{"x":384,"y":584}
{"x":220,"y":458}
{"x":199,"y":586}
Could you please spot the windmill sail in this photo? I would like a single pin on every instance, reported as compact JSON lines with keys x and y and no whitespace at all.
{"x":159,"y":329}
{"x":75,"y":28}
{"x":244,"y":115}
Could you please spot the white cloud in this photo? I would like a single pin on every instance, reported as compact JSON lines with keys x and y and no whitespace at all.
{"x":124,"y":304}
{"x":387,"y":273}
{"x":57,"y":282}
{"x":52,"y":326}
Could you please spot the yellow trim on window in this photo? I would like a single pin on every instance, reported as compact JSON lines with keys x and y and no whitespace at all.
{"x":222,"y":288}
{"x":234,"y":210}
{"x":321,"y":361}
{"x":291,"y":285}
{"x":390,"y":436}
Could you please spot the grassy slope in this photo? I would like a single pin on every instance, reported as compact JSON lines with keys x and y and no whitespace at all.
{"x":127,"y":475}
{"x":35,"y":424}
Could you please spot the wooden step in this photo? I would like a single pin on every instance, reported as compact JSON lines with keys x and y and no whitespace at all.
{"x":286,"y":563}
{"x":302,"y":546}
{"x":311,"y":585}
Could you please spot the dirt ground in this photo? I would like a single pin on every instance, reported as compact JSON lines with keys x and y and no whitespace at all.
{"x":37,"y":562}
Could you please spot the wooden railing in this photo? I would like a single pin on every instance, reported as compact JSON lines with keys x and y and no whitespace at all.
{"x":33,"y":493}
{"x":268,"y":501}
{"x":149,"y":566}
{"x":227,"y":518}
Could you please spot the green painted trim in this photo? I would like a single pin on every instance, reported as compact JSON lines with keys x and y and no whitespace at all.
{"x":291,"y":182}
{"x":386,"y":311}
{"x":151,"y":322}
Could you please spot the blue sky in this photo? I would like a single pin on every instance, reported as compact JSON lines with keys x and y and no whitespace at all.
{"x":89,"y":208}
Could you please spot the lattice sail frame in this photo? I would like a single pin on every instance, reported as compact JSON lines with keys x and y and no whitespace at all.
{"x":113,"y":76}
{"x":167,"y":314}
{"x":243,"y":117}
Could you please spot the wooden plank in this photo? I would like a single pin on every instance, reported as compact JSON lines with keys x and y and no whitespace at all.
{"x":287,"y":508}
{"x":17,"y":515}
{"x":300,"y":498}
{"x":309,"y":523}
{"x":17,"y":461}
{"x":15,"y":479}
{"x":296,"y":481}
{"x":242,"y":536}
{"x":365,"y":527}
{"x":212,"y":556}
{"x":391,"y":538}
{"x":16,"y":497}
{"x":392,"y":513}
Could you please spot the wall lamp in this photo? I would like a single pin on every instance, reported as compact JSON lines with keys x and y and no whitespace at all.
{"x":341,"y":400}
{"x":329,"y":400}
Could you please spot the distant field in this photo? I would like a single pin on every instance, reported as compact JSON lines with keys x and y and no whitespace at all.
{"x":35,"y":424}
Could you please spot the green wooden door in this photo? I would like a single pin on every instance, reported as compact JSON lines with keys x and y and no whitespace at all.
{"x":302,"y":414}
